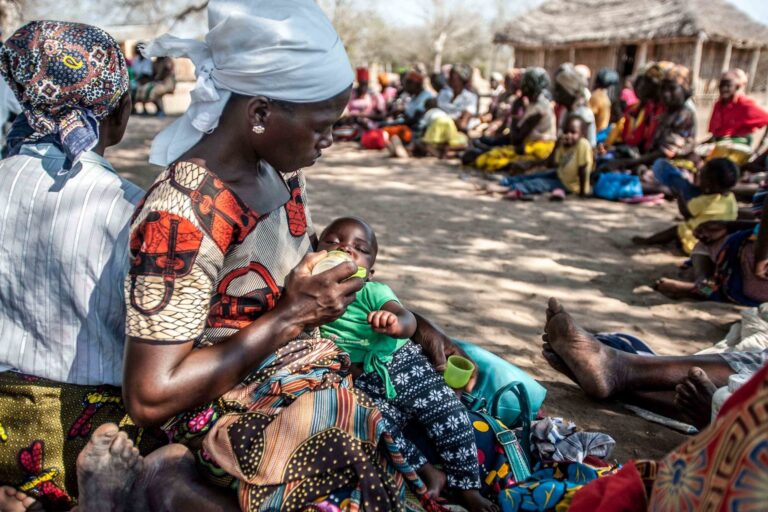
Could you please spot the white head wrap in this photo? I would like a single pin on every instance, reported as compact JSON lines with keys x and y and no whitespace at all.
{"x":283,"y":49}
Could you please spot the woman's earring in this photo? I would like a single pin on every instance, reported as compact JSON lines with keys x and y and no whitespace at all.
{"x":258,"y":129}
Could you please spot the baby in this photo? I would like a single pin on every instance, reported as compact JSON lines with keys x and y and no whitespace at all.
{"x":375,"y":331}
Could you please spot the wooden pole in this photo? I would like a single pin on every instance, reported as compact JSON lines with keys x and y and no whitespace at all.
{"x":492,"y":61}
{"x":696,"y":67}
{"x":642,"y":56}
{"x":727,"y":57}
{"x":511,"y":60}
{"x":572,"y":55}
{"x":753,"y":68}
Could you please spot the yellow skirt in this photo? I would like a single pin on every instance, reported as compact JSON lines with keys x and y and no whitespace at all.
{"x":500,"y":157}
{"x":443,"y":131}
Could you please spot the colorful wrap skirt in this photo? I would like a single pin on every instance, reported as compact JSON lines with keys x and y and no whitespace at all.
{"x":43,"y":427}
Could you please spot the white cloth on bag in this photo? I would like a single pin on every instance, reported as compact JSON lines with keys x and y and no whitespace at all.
{"x":286,"y":50}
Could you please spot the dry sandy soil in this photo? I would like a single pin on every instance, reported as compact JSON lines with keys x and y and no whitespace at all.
{"x":483,"y":268}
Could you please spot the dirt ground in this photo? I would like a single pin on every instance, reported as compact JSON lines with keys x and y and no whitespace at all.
{"x":483,"y":268}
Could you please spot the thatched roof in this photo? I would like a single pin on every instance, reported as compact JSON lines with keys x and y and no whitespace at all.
{"x":564,"y":22}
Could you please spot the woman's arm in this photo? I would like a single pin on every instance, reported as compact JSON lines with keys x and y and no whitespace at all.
{"x":463,"y":121}
{"x":518,"y":134}
{"x":162,"y":379}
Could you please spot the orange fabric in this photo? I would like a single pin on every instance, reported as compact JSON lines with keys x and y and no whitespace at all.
{"x":401,"y":131}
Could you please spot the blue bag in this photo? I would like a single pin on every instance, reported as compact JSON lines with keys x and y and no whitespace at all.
{"x":615,"y":185}
{"x":494,"y":374}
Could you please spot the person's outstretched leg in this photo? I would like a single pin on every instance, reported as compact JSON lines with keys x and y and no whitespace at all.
{"x":667,"y":236}
{"x":604,"y":372}
{"x":106,"y":470}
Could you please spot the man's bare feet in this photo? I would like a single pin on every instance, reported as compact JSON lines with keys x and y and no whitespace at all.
{"x":694,"y":396}
{"x":106,"y":470}
{"x":434,"y":479}
{"x":673,"y":288}
{"x":597,"y":369}
{"x":12,"y":500}
{"x":474,"y":501}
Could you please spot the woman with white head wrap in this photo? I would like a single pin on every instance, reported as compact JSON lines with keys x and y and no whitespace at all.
{"x":570,"y":91}
{"x":222,"y":307}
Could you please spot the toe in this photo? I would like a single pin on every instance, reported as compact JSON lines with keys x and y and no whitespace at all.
{"x":553,"y":307}
{"x":701,"y":380}
{"x":103,"y":436}
{"x":119,"y":444}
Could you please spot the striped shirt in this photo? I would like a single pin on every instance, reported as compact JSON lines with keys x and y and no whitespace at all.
{"x":63,"y":261}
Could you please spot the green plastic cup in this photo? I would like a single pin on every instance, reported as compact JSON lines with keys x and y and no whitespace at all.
{"x":458,"y":371}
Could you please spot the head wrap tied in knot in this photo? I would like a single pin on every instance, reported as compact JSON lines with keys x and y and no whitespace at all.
{"x":571,"y":80}
{"x":285,"y":50}
{"x":67,"y":77}
{"x":679,"y":74}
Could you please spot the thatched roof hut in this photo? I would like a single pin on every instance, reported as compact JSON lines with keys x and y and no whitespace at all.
{"x":708,"y":35}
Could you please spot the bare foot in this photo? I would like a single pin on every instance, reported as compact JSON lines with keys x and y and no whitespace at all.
{"x":556,"y":362}
{"x":694,"y":396}
{"x":434,"y":479}
{"x":474,"y":501}
{"x":673,"y":288}
{"x":106,"y":470}
{"x":12,"y":500}
{"x":597,"y":369}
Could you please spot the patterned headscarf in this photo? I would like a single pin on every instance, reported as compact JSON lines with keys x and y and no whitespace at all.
{"x":679,"y":74}
{"x":67,"y":77}
{"x":656,"y":70}
{"x":571,"y":80}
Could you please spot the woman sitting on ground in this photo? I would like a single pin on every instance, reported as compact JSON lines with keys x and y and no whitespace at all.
{"x":601,"y":101}
{"x":735,"y":119}
{"x":223,"y":348}
{"x":570,"y":92}
{"x":532,"y":137}
{"x":634,"y":131}
{"x":448,"y":133}
{"x":674,"y":138}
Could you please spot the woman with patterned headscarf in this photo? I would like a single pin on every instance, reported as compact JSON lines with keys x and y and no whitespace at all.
{"x":532,"y":136}
{"x":223,"y":349}
{"x":63,"y":259}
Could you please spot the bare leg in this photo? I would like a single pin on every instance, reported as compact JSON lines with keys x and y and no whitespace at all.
{"x":676,"y":289}
{"x":703,"y":267}
{"x":106,"y":470}
{"x":604,"y":372}
{"x":661,"y":238}
{"x":474,"y":501}
{"x":434,"y":479}
{"x":170,"y":482}
{"x":12,"y":500}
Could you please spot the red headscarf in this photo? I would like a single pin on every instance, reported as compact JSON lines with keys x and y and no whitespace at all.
{"x":363,"y":75}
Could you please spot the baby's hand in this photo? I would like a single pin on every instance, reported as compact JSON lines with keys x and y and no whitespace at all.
{"x":384,"y":322}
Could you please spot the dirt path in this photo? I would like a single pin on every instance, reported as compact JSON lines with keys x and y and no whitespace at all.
{"x":484,"y":268}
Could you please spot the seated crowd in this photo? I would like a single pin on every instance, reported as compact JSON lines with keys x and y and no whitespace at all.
{"x":180,"y":349}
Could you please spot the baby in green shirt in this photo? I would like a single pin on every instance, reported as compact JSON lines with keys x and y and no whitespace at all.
{"x":392,"y":370}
